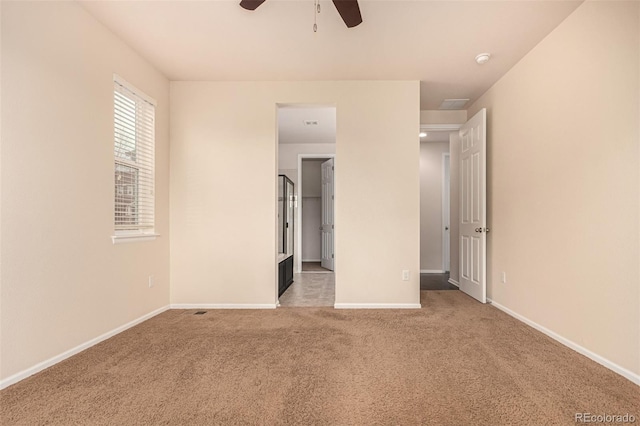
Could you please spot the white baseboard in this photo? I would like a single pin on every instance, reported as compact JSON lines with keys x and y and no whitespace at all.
{"x":432,"y":271}
{"x":454,"y":282}
{"x":635,"y":378}
{"x":377,"y":306}
{"x":312,"y":260}
{"x":223,"y":306}
{"x":56,"y":359}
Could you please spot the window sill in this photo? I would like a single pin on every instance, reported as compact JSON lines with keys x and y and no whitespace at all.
{"x":133,"y":238}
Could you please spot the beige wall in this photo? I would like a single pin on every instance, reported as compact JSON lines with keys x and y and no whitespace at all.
{"x":223,"y":189}
{"x":1,"y":149}
{"x":310,"y":205}
{"x":430,"y":116}
{"x":311,"y":246}
{"x":563,"y":185}
{"x":312,"y":177}
{"x":288,"y":152}
{"x":431,"y":226}
{"x":63,"y":281}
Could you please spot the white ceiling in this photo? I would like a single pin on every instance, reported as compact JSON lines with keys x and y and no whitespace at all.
{"x":431,"y":41}
{"x":292,"y":129}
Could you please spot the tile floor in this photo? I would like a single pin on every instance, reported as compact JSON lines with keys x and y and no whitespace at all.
{"x":436,"y":282}
{"x":310,"y":289}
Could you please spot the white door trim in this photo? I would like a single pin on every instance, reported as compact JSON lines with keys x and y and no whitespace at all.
{"x":446,"y":216}
{"x":377,"y":306}
{"x":440,"y":127}
{"x":297,"y":267}
{"x":328,"y":213}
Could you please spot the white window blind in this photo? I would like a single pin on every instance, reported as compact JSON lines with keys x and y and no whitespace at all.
{"x":134,"y":152}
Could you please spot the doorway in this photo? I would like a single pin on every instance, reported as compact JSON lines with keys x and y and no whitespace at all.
{"x":467,"y":202}
{"x":306,"y":155}
{"x":434,"y":211}
{"x":317,"y":187}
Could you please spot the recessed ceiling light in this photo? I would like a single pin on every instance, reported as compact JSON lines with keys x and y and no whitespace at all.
{"x":422,"y":135}
{"x":483,"y":58}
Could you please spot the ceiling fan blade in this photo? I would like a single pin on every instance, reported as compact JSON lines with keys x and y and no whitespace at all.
{"x":349,"y":11}
{"x":251,"y":4}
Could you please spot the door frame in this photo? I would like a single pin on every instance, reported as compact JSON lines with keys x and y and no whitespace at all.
{"x":446,"y":128}
{"x":297,"y":267}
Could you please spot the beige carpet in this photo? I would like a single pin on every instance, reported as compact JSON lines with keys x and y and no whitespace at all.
{"x":454,"y":362}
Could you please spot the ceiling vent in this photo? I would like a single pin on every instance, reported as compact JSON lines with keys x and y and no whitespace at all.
{"x":310,"y":122}
{"x":453,"y":103}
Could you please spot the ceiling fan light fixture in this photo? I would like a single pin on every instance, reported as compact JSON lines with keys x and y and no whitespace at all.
{"x":251,"y":4}
{"x":483,"y":58}
{"x":349,"y":10}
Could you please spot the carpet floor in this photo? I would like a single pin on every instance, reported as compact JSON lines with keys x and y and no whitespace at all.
{"x":453,"y":362}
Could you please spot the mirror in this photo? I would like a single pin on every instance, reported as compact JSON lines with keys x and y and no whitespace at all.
{"x":286,"y":214}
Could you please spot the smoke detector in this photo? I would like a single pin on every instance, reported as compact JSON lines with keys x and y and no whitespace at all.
{"x":483,"y":58}
{"x":310,"y":122}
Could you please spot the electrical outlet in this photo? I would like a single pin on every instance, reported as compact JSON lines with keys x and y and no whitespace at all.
{"x":405,"y":275}
{"x":504,"y":278}
{"x":152,"y":280}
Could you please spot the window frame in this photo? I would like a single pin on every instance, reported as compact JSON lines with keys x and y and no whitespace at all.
{"x":142,"y":233}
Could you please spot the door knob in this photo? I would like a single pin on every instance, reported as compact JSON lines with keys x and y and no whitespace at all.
{"x":446,"y":228}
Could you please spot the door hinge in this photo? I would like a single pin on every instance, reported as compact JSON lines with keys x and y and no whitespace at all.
{"x":332,"y":168}
{"x":332,"y":255}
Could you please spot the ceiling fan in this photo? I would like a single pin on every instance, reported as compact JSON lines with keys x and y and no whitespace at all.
{"x":348,"y":10}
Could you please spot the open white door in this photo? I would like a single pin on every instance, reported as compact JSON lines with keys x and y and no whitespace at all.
{"x":446,"y":218}
{"x":327,"y":214}
{"x":473,"y":207}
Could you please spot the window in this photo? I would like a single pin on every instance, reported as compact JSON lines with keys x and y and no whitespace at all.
{"x":134,"y":155}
